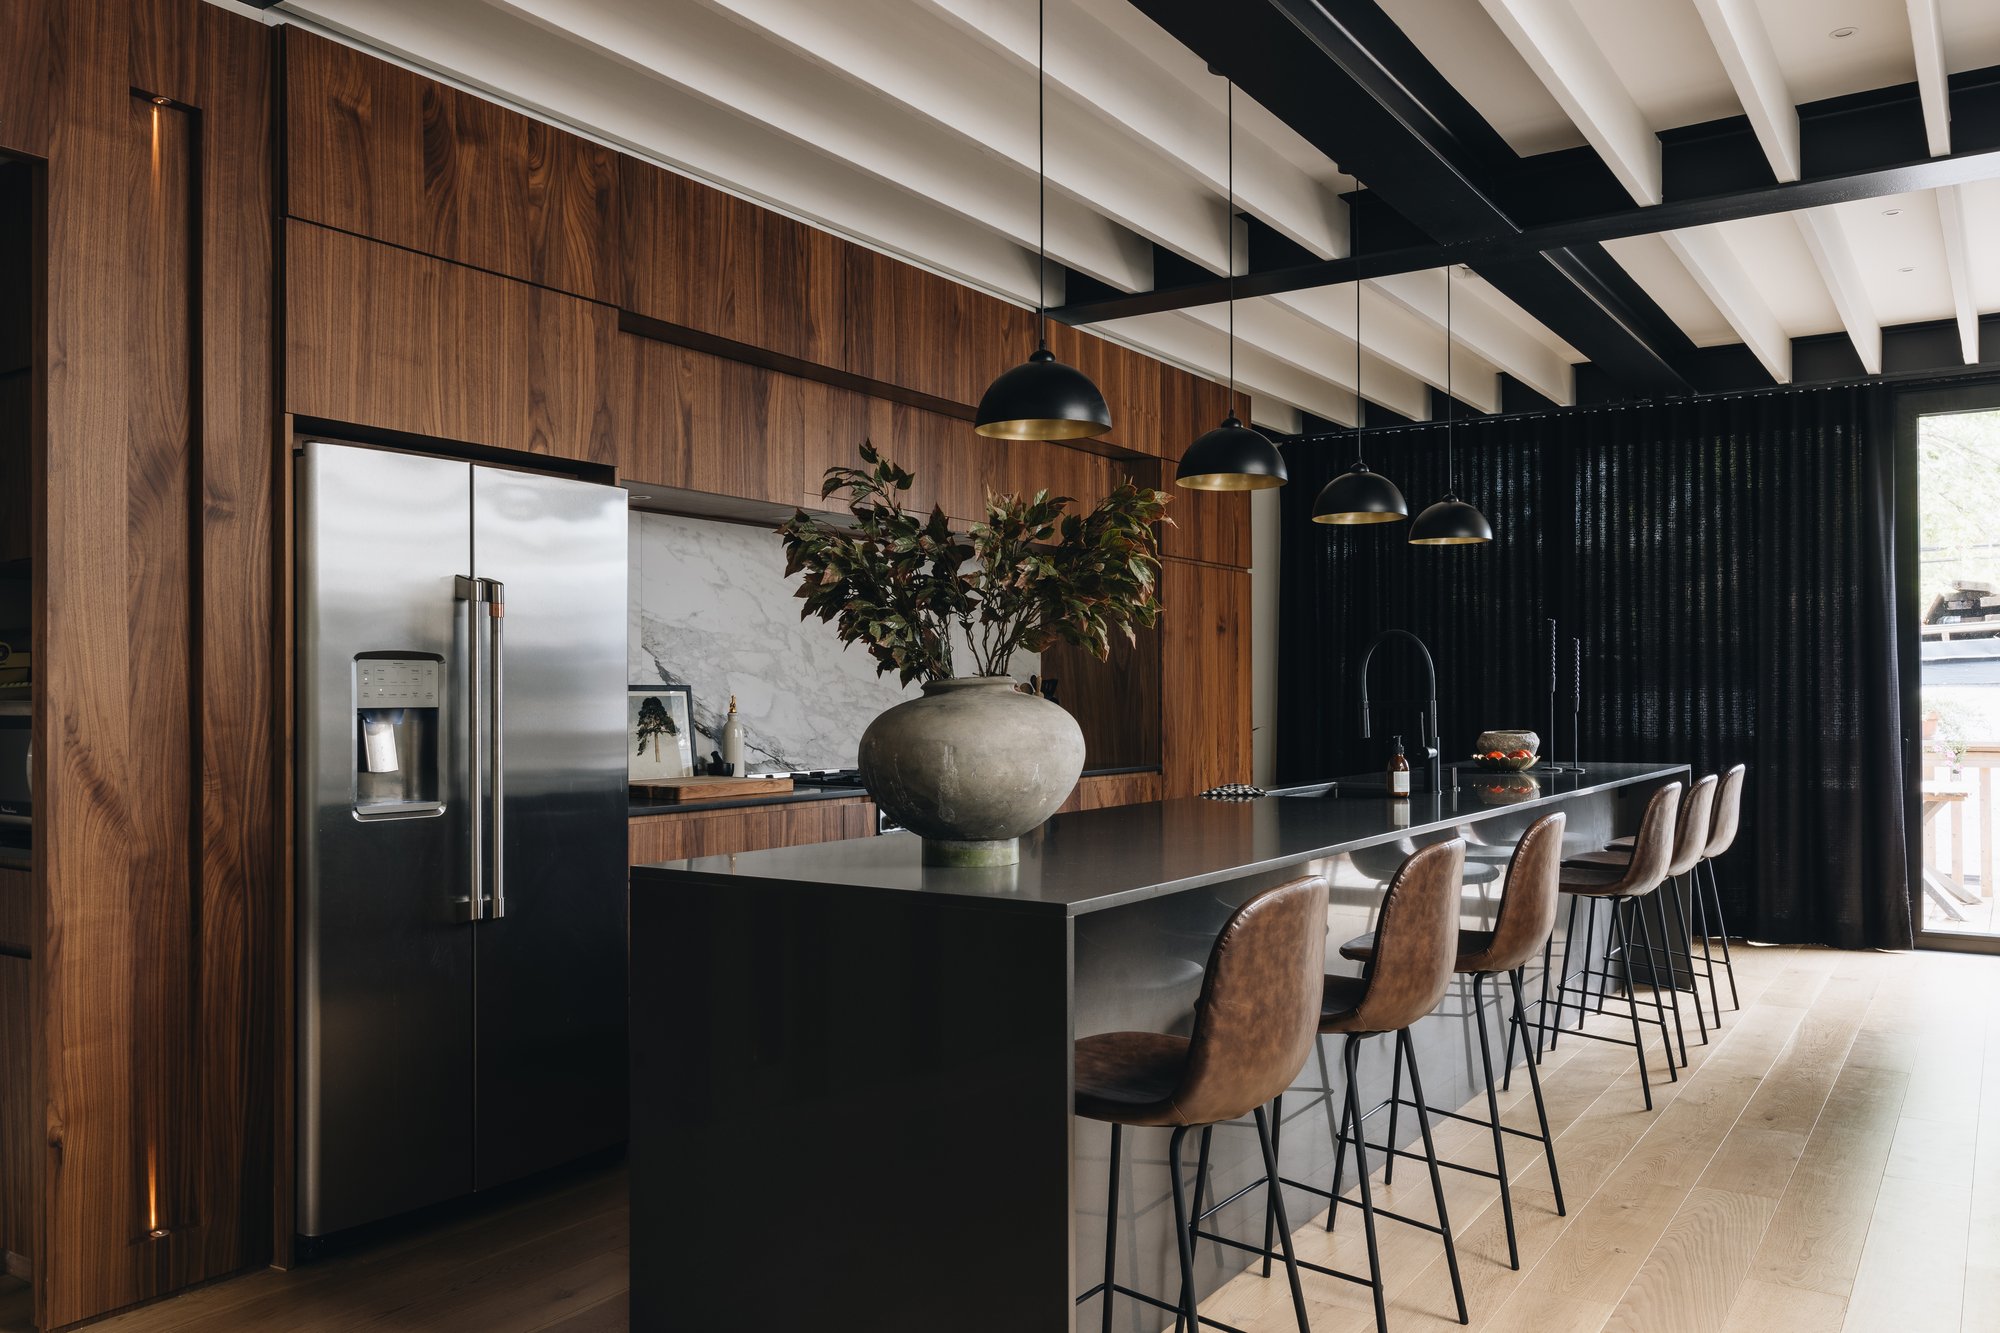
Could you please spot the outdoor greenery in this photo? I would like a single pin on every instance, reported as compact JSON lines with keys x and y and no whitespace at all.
{"x":1031,"y":575}
{"x":1958,"y":499}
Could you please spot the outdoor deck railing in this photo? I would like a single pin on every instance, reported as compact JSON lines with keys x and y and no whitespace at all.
{"x":1958,"y":841}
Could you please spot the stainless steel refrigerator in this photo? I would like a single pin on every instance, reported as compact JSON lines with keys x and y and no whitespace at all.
{"x":461,"y":828}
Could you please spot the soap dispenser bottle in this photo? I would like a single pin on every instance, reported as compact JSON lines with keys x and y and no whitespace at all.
{"x":1399,"y":771}
{"x":732,"y":741}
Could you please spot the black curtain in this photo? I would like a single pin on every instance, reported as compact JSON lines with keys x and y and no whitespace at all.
{"x":1729,"y":566}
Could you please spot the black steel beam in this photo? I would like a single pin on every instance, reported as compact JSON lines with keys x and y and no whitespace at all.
{"x":1860,"y":147}
{"x":1352,"y":84}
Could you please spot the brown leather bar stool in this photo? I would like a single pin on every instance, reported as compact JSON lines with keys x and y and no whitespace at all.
{"x":1692,"y":850}
{"x":1527,"y":918}
{"x":1690,"y":840}
{"x":1640,"y":876}
{"x":1254,"y":1026}
{"x":1416,"y":942}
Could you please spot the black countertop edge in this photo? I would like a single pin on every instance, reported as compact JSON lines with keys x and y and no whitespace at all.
{"x":1088,"y":883}
{"x":793,"y":797}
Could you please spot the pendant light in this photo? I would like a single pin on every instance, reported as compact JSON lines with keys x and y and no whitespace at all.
{"x":1233,"y":456}
{"x":1042,"y":399}
{"x":1358,"y":495}
{"x":1451,"y":521}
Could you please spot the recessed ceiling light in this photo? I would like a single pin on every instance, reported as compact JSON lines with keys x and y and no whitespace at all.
{"x":1843,"y":32}
{"x":1892,"y":212}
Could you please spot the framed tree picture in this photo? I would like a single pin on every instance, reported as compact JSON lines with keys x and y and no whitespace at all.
{"x":659,"y":731}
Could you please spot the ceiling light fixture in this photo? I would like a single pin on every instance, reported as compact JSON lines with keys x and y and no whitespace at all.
{"x":1358,"y":496}
{"x":1233,"y":456}
{"x":1042,"y":399}
{"x":1451,"y":521}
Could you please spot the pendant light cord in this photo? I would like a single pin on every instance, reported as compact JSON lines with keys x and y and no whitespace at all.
{"x":1354,"y":248}
{"x":1041,"y":175}
{"x":1450,"y":407}
{"x":1229,"y":233}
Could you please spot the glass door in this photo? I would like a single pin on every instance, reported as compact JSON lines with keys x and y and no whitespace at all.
{"x":1951,"y":644}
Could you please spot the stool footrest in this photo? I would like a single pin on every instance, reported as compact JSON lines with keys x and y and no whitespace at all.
{"x":1272,"y":1255}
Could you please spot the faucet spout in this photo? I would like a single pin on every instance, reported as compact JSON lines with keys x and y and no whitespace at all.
{"x":1433,"y":746}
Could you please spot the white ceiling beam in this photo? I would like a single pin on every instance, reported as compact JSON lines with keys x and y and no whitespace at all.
{"x":1199,"y":347}
{"x":1133,"y":75}
{"x":1484,"y":331}
{"x":1958,"y":262}
{"x":1737,"y":31}
{"x":1715,"y":268}
{"x":911,"y":71}
{"x":1287,"y":336}
{"x":478,"y":47}
{"x":707,"y":54}
{"x":1827,"y":241}
{"x":1389,"y":330}
{"x":1933,"y":85}
{"x":1562,"y":53}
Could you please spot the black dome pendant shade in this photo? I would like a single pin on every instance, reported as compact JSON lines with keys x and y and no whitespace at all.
{"x":1233,"y":456}
{"x":1360,"y":496}
{"x":1451,"y":521}
{"x":1042,"y":399}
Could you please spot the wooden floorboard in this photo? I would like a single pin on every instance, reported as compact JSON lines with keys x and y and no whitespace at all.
{"x":1828,"y":1163}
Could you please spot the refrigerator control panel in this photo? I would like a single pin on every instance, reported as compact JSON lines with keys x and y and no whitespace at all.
{"x":391,"y":682}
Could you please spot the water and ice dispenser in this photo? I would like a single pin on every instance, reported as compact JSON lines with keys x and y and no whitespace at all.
{"x":396,"y":698}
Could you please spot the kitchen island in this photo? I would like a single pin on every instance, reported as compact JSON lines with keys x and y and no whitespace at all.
{"x":852,"y":1072}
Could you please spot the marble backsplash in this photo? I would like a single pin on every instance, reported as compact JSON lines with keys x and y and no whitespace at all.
{"x":711,"y":608}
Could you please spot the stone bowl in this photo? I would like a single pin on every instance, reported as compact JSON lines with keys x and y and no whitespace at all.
{"x":1507,"y":742}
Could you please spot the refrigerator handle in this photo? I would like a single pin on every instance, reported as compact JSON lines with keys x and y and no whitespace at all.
{"x":472,"y":591}
{"x":496,"y":619}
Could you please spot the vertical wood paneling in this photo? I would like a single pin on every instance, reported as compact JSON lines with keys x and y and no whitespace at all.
{"x":1205,"y":676}
{"x":17,"y":1130}
{"x":673,"y":837}
{"x":28,"y":46}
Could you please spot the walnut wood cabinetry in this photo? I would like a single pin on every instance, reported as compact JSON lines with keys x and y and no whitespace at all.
{"x":681,"y":834}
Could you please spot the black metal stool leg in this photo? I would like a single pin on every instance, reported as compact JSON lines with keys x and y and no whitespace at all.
{"x":1707,"y":943}
{"x":1395,"y":1105}
{"x":1638,"y":1038}
{"x":1659,"y":1006}
{"x":1687,"y":956}
{"x":1673,"y":979}
{"x":1562,"y":978}
{"x":1722,"y":933}
{"x":1267,"y":1138}
{"x":1183,"y":1232}
{"x":1201,"y":1181}
{"x":1111,"y":1227}
{"x":1493,"y":1114}
{"x":1535,"y":1082}
{"x":1352,"y":1055}
{"x":1347,"y":1118}
{"x":1274,"y":1206}
{"x":1437,"y":1177}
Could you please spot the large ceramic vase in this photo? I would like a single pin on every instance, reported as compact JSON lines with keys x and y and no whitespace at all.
{"x":972,"y":766}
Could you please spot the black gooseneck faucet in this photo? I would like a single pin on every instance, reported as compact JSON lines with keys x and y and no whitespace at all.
{"x":1434,"y":759}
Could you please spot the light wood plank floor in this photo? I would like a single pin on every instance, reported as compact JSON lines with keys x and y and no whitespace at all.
{"x":1830,"y":1162}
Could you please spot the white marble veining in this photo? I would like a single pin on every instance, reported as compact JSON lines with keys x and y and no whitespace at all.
{"x":711,"y":608}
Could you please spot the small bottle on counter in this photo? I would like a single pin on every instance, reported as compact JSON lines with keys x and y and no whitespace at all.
{"x":732,"y":741}
{"x":1399,"y":771}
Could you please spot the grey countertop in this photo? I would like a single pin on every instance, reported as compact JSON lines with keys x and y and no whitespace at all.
{"x":1097,"y":859}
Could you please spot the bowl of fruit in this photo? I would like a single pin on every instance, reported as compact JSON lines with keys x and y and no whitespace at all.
{"x":1506,"y":751}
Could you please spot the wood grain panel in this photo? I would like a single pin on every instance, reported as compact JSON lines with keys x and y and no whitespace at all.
{"x":1116,"y":702}
{"x":152,"y":629}
{"x":17,"y":910}
{"x":380,"y":151}
{"x":1097,"y":792}
{"x":383,"y":337}
{"x":1205,"y":676}
{"x":29,"y":35}
{"x":17,"y":1135}
{"x":748,"y":829}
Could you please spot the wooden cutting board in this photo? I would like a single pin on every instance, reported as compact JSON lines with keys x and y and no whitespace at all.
{"x":708,"y":789}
